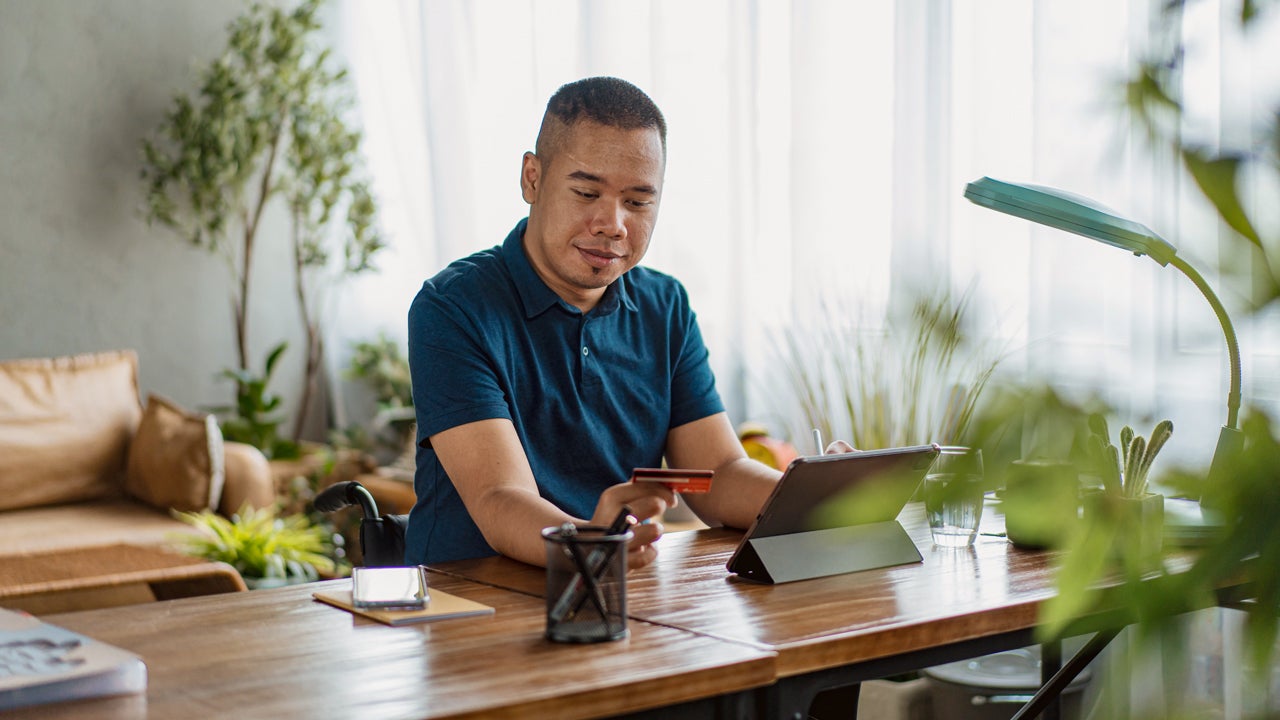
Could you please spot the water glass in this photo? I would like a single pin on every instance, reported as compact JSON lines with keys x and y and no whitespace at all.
{"x":953,"y":492}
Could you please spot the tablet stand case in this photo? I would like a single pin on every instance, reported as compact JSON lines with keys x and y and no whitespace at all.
{"x":804,"y":555}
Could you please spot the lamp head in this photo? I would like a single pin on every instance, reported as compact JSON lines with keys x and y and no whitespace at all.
{"x":1082,"y":216}
{"x":1075,"y":214}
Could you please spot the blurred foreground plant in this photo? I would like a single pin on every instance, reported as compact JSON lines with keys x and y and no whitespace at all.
{"x":1239,"y":182}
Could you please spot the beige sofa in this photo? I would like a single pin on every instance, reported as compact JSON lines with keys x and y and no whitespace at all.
{"x":84,"y":463}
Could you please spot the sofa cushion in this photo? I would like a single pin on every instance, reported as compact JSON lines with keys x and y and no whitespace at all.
{"x":175,"y":459}
{"x":87,"y":524}
{"x":65,"y":426}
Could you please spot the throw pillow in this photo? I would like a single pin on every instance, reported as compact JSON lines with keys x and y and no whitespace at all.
{"x":175,"y":460}
{"x":65,"y":425}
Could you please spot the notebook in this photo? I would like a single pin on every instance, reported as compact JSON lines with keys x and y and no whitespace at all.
{"x":835,"y":501}
{"x":42,"y":663}
{"x":440,"y":606}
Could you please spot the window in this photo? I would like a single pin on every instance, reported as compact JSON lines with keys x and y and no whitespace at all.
{"x":818,"y":155}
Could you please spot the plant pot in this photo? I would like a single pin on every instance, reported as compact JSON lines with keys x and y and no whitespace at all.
{"x":1041,"y":502}
{"x":297,"y":480}
{"x":1136,"y":525}
{"x":265,"y":583}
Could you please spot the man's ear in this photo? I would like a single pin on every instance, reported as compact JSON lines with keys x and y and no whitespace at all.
{"x":530,"y":177}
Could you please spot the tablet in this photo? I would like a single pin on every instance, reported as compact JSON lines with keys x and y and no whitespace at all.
{"x":828,"y":492}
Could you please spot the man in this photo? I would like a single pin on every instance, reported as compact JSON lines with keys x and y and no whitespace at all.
{"x":547,"y":368}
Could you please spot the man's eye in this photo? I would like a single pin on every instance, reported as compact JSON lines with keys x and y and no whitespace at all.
{"x":640,"y":203}
{"x":586,"y":195}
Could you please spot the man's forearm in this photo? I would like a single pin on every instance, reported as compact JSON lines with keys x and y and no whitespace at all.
{"x":512,"y":522}
{"x":738,"y":491}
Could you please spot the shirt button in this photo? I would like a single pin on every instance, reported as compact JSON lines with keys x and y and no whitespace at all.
{"x":585,"y":352}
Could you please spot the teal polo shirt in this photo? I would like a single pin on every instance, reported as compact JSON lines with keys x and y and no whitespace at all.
{"x":591,"y":395}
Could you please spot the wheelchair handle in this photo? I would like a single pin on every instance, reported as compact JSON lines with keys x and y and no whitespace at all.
{"x":347,"y":492}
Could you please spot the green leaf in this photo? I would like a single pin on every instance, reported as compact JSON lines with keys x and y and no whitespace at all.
{"x":273,"y":357}
{"x":1111,"y":476}
{"x":1084,"y":561}
{"x":1159,"y":436}
{"x":1217,"y":179}
{"x":1134,"y":481}
{"x":1098,"y":426}
{"x":1248,"y":12}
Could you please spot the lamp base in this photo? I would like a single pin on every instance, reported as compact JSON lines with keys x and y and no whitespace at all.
{"x":1230,"y":445}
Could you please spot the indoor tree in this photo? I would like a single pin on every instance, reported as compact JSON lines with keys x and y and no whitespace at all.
{"x":267,"y":122}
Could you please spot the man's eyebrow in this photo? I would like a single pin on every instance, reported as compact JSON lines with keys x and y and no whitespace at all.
{"x":585,"y":176}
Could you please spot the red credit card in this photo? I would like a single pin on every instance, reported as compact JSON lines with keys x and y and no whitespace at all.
{"x":681,"y":481}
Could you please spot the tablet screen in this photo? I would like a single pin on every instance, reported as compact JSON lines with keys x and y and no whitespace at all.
{"x":827,"y":491}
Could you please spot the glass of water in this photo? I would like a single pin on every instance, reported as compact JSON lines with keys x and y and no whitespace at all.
{"x":953,"y":491}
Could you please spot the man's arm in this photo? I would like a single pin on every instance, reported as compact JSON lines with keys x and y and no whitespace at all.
{"x":491,"y":472}
{"x":740,"y":486}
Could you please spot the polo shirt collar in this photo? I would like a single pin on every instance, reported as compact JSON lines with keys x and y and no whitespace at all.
{"x":534,"y":293}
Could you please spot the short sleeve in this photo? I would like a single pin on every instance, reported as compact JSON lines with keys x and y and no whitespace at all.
{"x":454,"y":383}
{"x":693,"y":385}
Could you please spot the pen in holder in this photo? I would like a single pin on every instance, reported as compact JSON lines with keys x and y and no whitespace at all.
{"x":586,"y":582}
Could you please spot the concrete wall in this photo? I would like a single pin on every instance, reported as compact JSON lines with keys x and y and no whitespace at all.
{"x":81,"y":83}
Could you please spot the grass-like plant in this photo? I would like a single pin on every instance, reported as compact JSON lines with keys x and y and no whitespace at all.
{"x":1125,"y":468}
{"x":913,"y":382}
{"x":259,"y":544}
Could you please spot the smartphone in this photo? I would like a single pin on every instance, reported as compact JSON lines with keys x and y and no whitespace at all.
{"x":390,"y":588}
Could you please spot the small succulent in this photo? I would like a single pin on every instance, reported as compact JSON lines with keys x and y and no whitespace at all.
{"x":1124,"y":469}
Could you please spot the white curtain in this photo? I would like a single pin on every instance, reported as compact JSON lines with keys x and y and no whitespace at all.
{"x":818,"y":151}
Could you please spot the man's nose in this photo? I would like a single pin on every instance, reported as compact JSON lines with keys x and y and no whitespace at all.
{"x":609,"y":220}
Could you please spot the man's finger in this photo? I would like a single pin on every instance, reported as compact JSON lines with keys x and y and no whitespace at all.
{"x":647,"y":508}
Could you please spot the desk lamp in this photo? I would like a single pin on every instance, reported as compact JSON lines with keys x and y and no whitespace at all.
{"x":1082,"y":216}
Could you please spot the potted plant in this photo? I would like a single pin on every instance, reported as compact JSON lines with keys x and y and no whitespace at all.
{"x":252,"y":420}
{"x":1035,"y":439}
{"x":1041,"y":502}
{"x":267,"y":124}
{"x":1135,"y":514}
{"x":267,"y":550}
{"x":382,"y":365}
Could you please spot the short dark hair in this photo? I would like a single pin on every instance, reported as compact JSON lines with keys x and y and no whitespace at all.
{"x":608,"y":101}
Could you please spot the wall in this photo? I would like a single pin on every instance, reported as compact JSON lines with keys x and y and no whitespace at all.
{"x":81,"y":83}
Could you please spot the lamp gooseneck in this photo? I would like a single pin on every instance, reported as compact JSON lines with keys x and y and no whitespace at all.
{"x":1233,"y":348}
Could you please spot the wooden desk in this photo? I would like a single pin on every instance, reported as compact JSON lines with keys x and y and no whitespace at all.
{"x":279,"y":654}
{"x":835,"y":630}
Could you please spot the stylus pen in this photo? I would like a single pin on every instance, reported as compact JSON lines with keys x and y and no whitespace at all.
{"x":593,"y":588}
{"x":817,"y":440}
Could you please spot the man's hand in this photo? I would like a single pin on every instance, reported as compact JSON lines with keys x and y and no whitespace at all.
{"x":647,"y":501}
{"x":839,"y":446}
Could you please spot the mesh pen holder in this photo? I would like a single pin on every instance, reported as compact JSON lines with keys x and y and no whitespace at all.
{"x":586,"y":584}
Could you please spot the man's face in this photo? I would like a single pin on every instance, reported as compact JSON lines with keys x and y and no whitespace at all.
{"x":593,"y":205}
